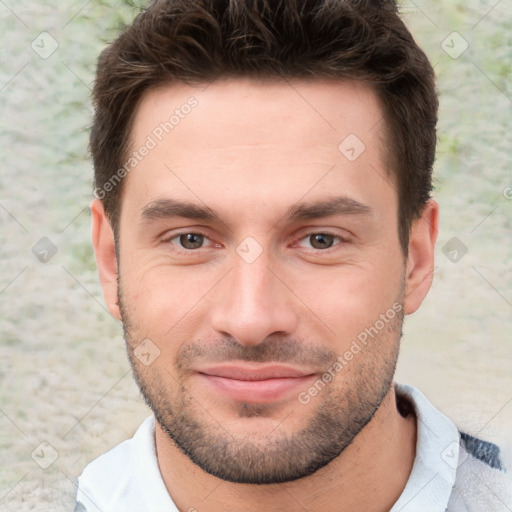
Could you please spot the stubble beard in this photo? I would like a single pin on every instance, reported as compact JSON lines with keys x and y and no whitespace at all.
{"x":340,"y":412}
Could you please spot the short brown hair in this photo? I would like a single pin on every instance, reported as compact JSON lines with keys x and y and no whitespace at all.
{"x":197,"y":41}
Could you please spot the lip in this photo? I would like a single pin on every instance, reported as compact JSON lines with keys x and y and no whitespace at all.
{"x":255,"y":383}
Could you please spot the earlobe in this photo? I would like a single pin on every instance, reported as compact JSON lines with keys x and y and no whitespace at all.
{"x":106,"y":259}
{"x":420,"y":260}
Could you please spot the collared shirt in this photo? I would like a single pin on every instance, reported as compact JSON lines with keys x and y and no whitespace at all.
{"x":452,"y":471}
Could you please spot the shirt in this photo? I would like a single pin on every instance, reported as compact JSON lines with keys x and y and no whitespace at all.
{"x":452,"y":471}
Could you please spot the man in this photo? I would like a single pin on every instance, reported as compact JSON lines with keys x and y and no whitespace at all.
{"x":263,"y":223}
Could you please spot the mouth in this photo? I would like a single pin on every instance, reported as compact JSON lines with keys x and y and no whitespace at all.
{"x":255,"y":383}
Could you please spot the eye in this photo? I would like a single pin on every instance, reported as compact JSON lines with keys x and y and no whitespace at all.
{"x":188,"y":241}
{"x":322,"y":241}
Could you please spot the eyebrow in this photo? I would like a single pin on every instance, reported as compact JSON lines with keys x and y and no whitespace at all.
{"x":172,"y":208}
{"x":335,"y":206}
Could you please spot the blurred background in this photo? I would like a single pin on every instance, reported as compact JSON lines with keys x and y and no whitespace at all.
{"x":66,"y":390}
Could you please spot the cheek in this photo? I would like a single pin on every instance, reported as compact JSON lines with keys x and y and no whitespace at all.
{"x":166,"y":300}
{"x":347,"y":300}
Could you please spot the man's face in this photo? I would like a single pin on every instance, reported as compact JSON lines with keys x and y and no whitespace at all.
{"x":287,"y":252}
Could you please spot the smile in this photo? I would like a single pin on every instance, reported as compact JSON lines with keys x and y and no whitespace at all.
{"x":255,"y":384}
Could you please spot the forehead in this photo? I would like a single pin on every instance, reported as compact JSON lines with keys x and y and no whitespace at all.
{"x":244,"y":140}
{"x":252,"y":111}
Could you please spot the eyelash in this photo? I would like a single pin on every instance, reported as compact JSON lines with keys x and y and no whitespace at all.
{"x":340,"y":240}
{"x":182,"y":250}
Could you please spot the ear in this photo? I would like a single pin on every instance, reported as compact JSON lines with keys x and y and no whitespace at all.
{"x":420,"y":260}
{"x":105,"y":251}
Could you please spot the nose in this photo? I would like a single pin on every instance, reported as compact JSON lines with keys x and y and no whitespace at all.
{"x":253,"y":303}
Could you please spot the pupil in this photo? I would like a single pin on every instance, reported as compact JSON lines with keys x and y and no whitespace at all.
{"x":191,"y":240}
{"x":321,"y":241}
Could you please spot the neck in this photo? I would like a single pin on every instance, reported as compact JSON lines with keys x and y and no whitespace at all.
{"x":369,"y":475}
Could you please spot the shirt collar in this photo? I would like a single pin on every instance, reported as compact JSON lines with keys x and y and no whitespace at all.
{"x":437,"y":452}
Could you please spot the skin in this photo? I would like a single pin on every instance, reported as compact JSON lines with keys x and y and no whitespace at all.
{"x":249,"y":151}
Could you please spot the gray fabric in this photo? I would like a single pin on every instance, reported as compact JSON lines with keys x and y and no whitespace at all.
{"x":482,"y":483}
